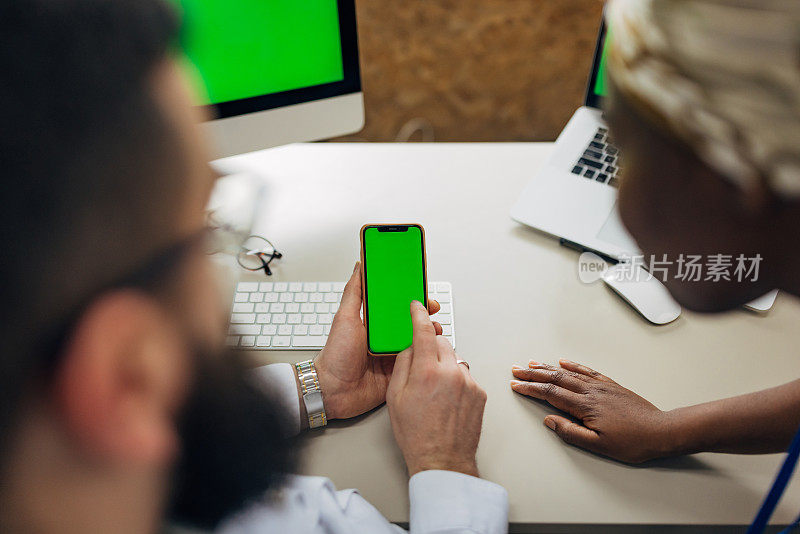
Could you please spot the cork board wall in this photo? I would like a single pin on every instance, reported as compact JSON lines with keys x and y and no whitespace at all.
{"x":472,"y":70}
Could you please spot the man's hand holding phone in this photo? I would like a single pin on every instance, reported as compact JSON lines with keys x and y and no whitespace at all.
{"x":435,"y":405}
{"x":352,"y":381}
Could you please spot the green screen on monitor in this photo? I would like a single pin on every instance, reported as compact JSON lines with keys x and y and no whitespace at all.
{"x":394,"y":276}
{"x":247,"y":48}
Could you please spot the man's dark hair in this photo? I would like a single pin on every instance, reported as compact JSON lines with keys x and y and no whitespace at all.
{"x":90,"y":173}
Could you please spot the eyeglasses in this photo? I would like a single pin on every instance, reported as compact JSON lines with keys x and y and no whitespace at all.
{"x":252,"y":252}
{"x":256,"y":254}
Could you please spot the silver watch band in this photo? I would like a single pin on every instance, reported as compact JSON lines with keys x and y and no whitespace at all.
{"x":312,"y":394}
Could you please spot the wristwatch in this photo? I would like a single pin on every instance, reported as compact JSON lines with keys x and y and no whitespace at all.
{"x":312,"y":393}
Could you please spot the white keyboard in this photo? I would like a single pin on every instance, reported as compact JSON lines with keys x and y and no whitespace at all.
{"x":298,"y":315}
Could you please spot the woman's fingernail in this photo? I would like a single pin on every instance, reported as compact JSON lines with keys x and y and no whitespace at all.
{"x":567,"y":361}
{"x":532,"y":363}
{"x":550,"y":423}
{"x":515,"y":383}
{"x":516,"y":367}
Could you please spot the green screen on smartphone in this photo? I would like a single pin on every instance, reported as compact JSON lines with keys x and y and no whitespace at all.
{"x":394,"y":275}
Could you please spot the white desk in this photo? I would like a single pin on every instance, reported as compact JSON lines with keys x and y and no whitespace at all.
{"x":517,"y":296}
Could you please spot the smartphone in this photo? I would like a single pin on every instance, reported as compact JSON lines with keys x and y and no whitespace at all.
{"x":393,"y":270}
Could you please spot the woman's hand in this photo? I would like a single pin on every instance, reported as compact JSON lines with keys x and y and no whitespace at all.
{"x":614,"y":421}
{"x":352,"y":381}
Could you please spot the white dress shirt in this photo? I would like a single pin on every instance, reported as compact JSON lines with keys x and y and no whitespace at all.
{"x":442,"y":502}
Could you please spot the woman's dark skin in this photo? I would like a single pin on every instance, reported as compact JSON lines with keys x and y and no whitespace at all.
{"x":673,"y":203}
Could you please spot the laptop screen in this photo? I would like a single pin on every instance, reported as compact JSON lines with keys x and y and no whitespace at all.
{"x":596,"y":89}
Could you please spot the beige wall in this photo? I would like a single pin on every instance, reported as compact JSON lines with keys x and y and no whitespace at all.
{"x":490,"y":70}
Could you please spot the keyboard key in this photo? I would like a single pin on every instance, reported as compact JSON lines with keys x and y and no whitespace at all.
{"x":243,"y":307}
{"x":443,"y":297}
{"x":327,"y":329}
{"x":601,"y":178}
{"x":446,"y":308}
{"x":611,"y":169}
{"x":447,"y":330}
{"x":262,"y":318}
{"x":308,"y":341}
{"x":279,"y":318}
{"x":309,"y":318}
{"x":315,"y":297}
{"x":280,"y":287}
{"x":323,"y":308}
{"x":270,"y":297}
{"x":301,"y":297}
{"x":248,"y":341}
{"x":324,"y":287}
{"x":310,"y":287}
{"x":256,"y":297}
{"x":443,"y":318}
{"x":263,"y":341}
{"x":281,"y":341}
{"x":316,"y":330}
{"x":286,"y":297}
{"x":331,"y":297}
{"x":265,"y":287}
{"x":277,"y":307}
{"x":338,"y":286}
{"x":294,"y":318}
{"x":612,"y":150}
{"x":262,"y":307}
{"x":241,"y":297}
{"x":334,"y":307}
{"x":285,"y":330}
{"x":292,"y":307}
{"x":602,"y":130}
{"x":614,"y":182}
{"x":590,"y":163}
{"x":301,"y":330}
{"x":577,"y":169}
{"x":232,"y":341}
{"x":269,"y":330}
{"x":593,"y":154}
{"x":244,"y":329}
{"x":307,"y":307}
{"x":595,"y":144}
{"x":599,"y":136}
{"x":325,"y":318}
{"x":247,"y":287}
{"x":442,"y":287}
{"x":610,"y":159}
{"x":589,"y":173}
{"x":242,"y":318}
{"x":295,"y":287}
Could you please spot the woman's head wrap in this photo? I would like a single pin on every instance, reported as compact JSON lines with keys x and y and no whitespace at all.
{"x":723,"y":75}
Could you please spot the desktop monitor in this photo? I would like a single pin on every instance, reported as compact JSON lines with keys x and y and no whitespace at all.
{"x":273,"y":72}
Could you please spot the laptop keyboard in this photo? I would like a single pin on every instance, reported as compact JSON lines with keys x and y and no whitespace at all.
{"x":599,"y":160}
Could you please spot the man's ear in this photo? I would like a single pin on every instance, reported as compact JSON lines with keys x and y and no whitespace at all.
{"x":122,"y":377}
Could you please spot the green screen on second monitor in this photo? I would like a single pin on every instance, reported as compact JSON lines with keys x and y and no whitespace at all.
{"x":247,"y":48}
{"x":600,"y":82}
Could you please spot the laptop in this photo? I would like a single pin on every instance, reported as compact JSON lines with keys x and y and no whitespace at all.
{"x":574,"y":196}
